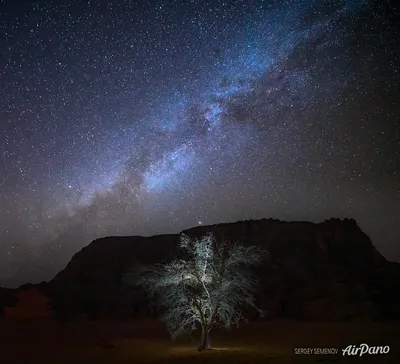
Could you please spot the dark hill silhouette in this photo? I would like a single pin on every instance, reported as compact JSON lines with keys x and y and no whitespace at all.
{"x":314,"y":271}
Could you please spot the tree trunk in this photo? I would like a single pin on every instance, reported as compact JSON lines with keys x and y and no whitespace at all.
{"x":205,"y":342}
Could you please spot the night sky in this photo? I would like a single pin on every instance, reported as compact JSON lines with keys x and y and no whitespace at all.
{"x":147,"y":117}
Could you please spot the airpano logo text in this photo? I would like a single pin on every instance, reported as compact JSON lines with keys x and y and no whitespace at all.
{"x":365,"y":349}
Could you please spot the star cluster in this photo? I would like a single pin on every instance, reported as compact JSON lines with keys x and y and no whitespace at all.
{"x":147,"y":117}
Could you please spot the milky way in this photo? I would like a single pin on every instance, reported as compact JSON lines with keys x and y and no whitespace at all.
{"x":140,"y":118}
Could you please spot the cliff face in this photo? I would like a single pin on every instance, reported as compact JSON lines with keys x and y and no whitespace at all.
{"x":325,"y":271}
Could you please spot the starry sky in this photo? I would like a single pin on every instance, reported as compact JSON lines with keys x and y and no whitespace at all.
{"x":145,"y":117}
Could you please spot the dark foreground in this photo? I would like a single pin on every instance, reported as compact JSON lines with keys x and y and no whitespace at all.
{"x":85,"y":342}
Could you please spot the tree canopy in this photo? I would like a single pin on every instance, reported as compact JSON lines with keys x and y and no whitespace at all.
{"x":208,"y":286}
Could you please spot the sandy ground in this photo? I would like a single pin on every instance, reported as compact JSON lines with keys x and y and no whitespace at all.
{"x":47,"y":341}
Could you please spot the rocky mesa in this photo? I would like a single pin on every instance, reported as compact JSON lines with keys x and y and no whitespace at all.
{"x":314,"y":271}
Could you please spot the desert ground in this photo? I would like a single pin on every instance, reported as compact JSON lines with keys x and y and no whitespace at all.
{"x":48,"y":341}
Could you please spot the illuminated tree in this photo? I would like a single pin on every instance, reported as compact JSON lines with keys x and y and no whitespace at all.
{"x":207,"y":287}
